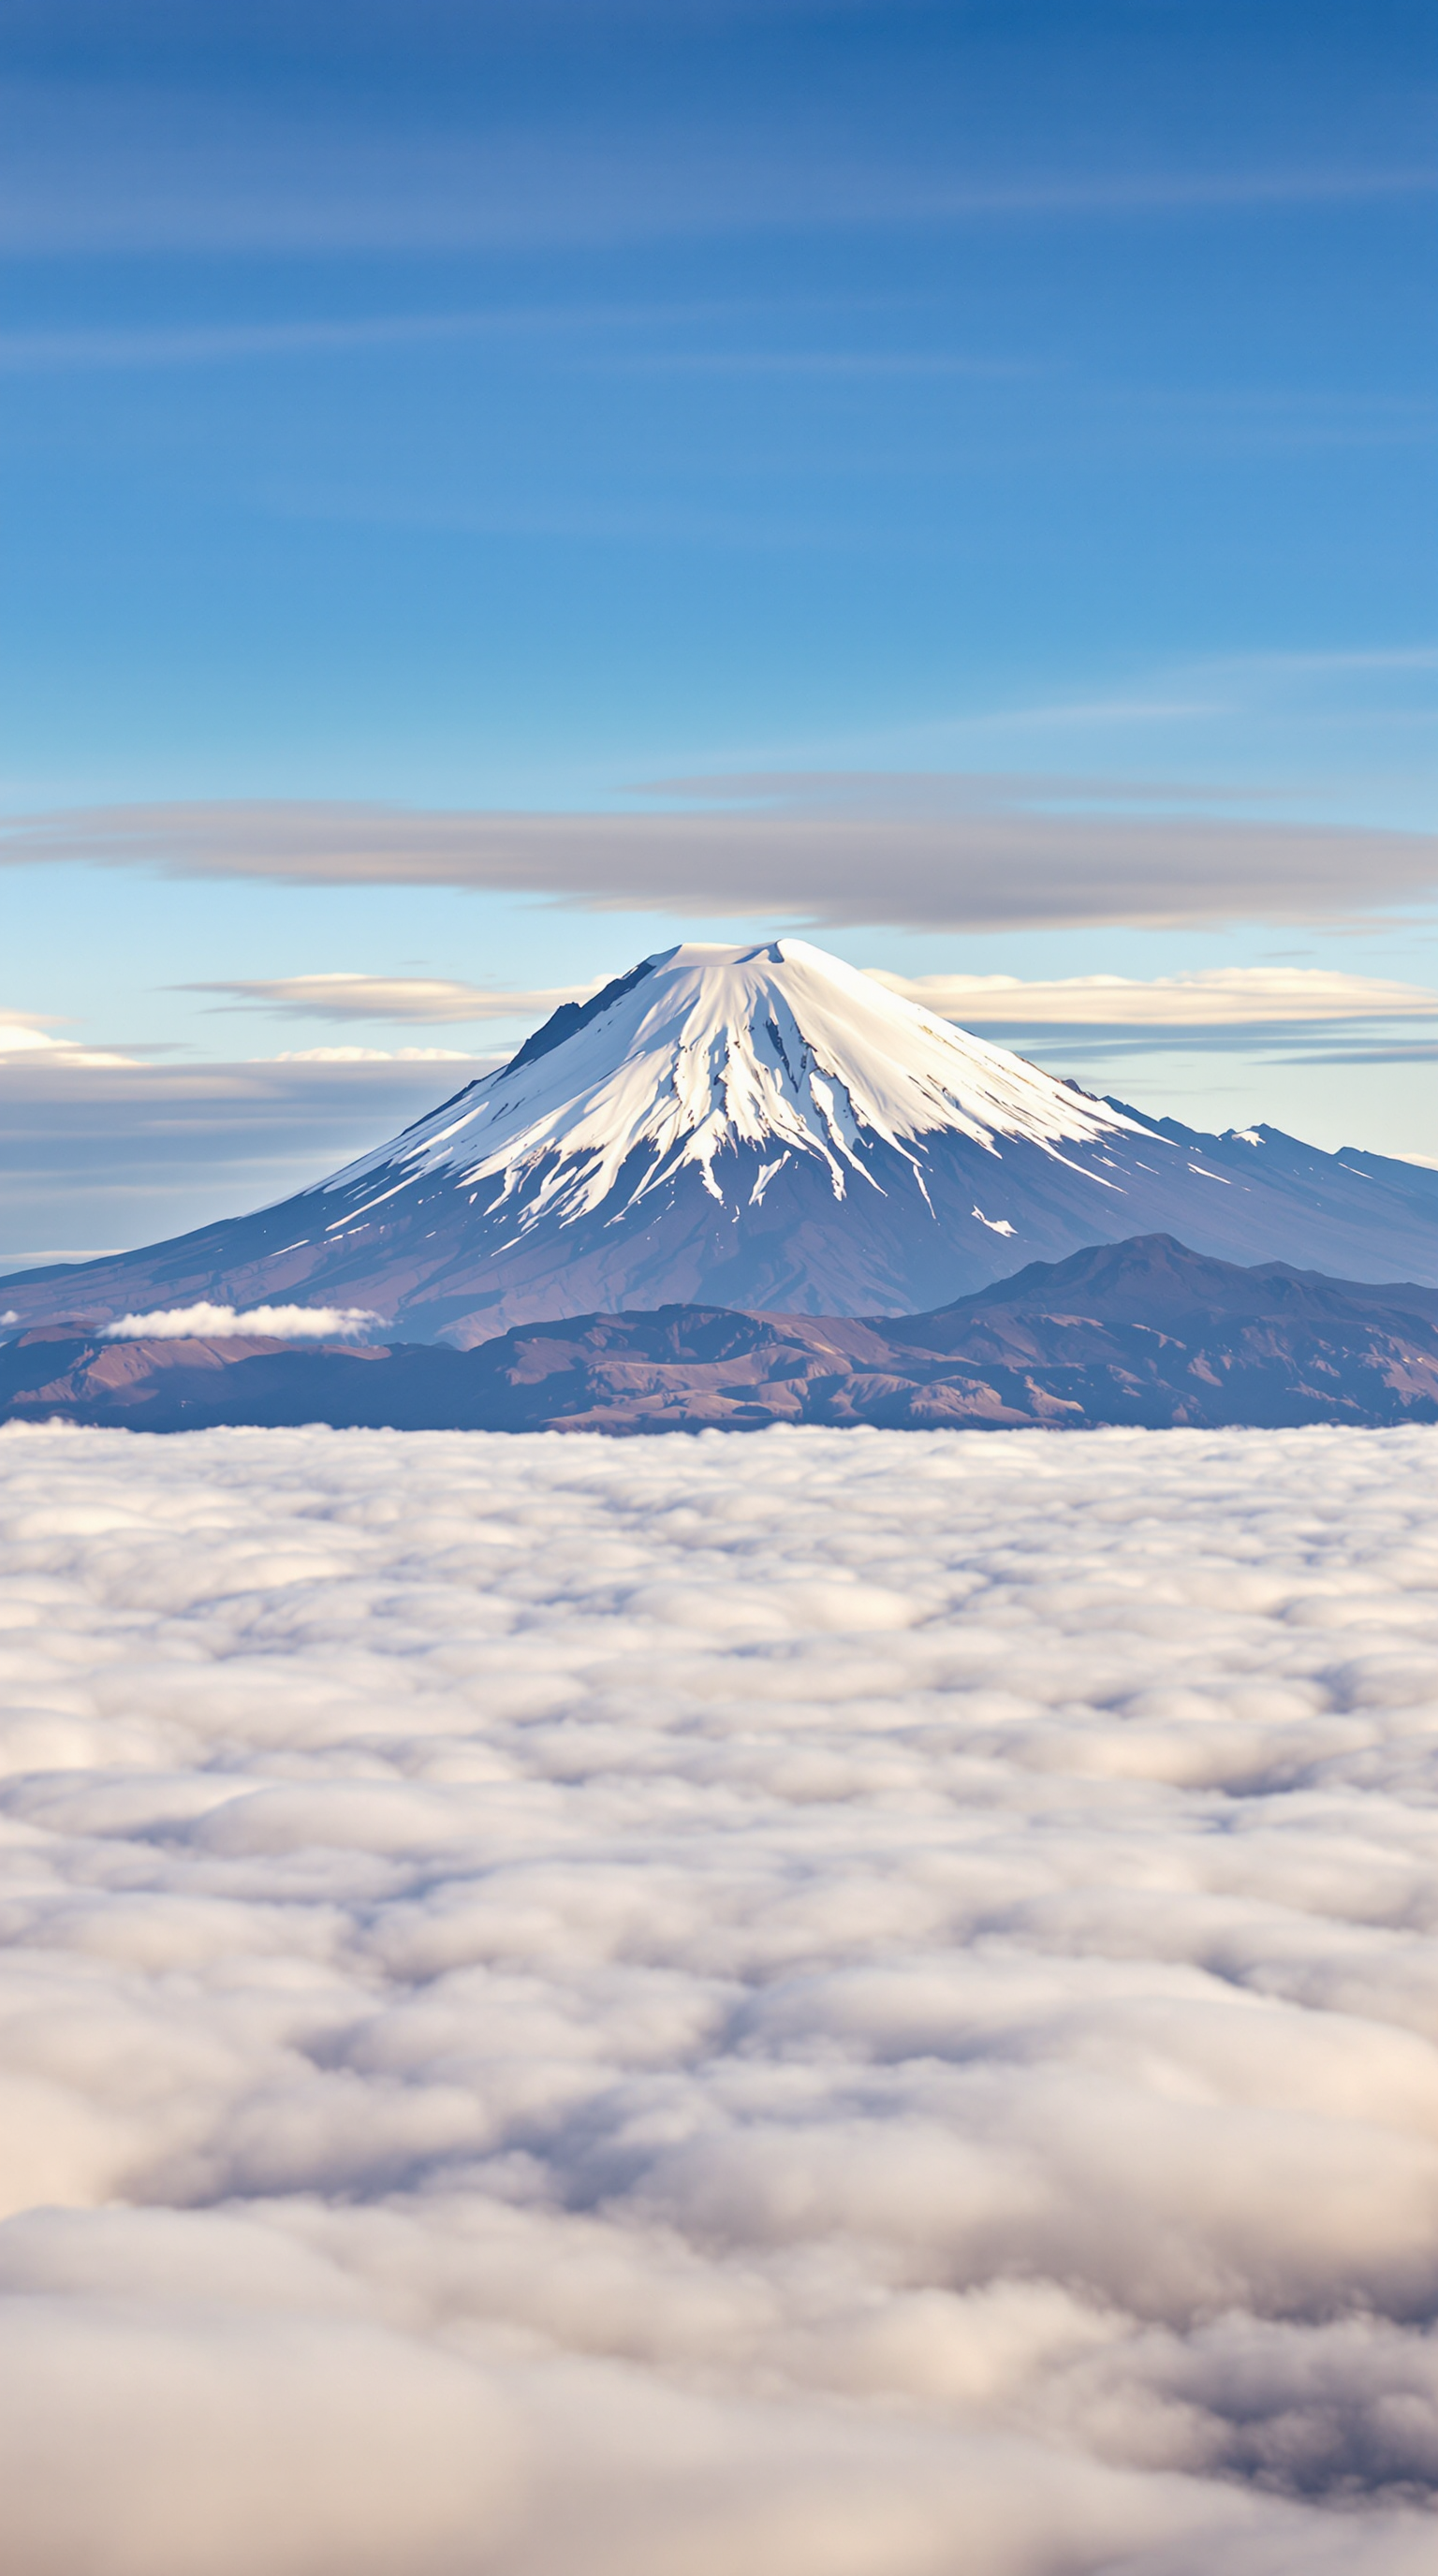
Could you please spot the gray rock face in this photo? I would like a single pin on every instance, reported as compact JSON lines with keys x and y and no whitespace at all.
{"x":1144,"y":1332}
{"x":765,"y":1129}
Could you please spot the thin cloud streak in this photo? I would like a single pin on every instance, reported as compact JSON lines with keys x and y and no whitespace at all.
{"x":190,"y":171}
{"x":201,"y":343}
{"x":40,"y":352}
{"x":186,"y":344}
{"x":1085,"y":1048}
{"x":1205,"y":998}
{"x":994,"y":865}
{"x":1416,"y":1051}
{"x":132,"y":1154}
{"x":390,"y":997}
{"x":376,"y":1055}
{"x":822,"y":363}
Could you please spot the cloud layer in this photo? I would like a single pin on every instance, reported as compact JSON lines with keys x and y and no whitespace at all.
{"x":992,"y":857}
{"x":392,"y":997}
{"x":1213,"y":997}
{"x":1206,"y":998}
{"x":91,"y":1156}
{"x":575,"y":2008}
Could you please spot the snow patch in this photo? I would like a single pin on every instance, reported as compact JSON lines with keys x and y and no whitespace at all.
{"x":767,"y":1172}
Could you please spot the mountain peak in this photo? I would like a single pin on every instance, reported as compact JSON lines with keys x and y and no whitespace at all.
{"x":704,"y":1051}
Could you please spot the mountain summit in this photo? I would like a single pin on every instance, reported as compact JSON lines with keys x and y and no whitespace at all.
{"x":760,"y":1127}
{"x":706,"y":1057}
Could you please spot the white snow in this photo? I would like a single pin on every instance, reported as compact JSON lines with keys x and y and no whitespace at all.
{"x":779,"y":1046}
{"x":835,"y":2004}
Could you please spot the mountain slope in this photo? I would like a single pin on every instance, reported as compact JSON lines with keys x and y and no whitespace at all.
{"x":1144,"y":1332}
{"x":761,"y":1128}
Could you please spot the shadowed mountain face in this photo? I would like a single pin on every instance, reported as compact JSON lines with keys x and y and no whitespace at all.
{"x":762,"y":1128}
{"x":1144,"y":1332}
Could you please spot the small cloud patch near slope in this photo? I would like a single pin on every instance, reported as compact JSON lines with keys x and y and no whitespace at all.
{"x":226,"y":1323}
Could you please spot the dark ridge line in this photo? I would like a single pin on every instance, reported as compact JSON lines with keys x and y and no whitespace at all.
{"x":571,"y":1017}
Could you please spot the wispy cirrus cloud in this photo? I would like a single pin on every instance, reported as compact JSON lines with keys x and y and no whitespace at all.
{"x":390,"y":997}
{"x":102,"y":170}
{"x":608,"y":335}
{"x":99,"y":1152}
{"x":207,"y":344}
{"x":375,"y":1055}
{"x":1218,"y":997}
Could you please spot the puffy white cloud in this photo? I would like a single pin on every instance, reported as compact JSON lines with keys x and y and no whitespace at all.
{"x":577,"y":2006}
{"x":226,"y":1323}
{"x":24,"y":1034}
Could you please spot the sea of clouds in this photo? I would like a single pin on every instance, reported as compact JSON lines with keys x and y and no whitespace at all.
{"x":828,"y":2004}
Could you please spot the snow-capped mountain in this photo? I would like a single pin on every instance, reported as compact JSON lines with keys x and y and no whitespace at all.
{"x":725,"y":1065}
{"x":766,"y":1128}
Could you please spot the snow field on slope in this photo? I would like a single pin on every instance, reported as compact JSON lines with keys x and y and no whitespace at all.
{"x":834,"y":2004}
{"x":781,"y":1046}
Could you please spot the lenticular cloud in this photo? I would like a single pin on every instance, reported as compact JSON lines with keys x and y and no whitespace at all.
{"x":840,"y":2004}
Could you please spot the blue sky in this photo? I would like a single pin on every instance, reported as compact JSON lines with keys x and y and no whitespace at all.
{"x":1023,"y":411}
